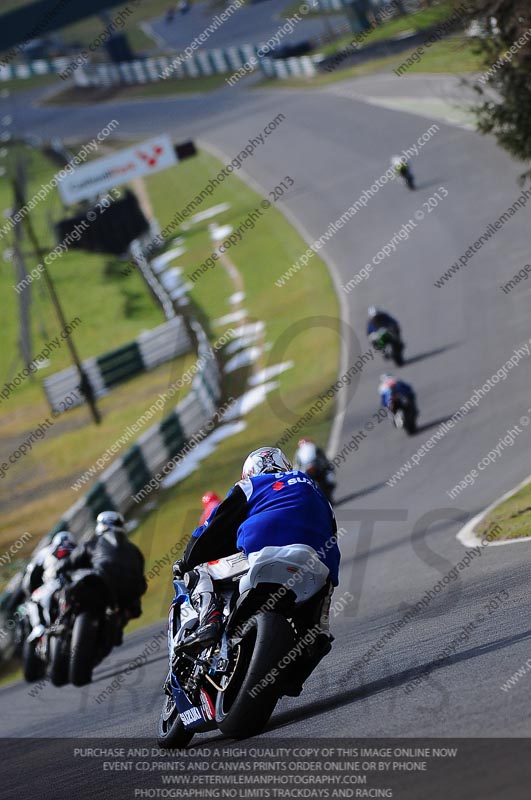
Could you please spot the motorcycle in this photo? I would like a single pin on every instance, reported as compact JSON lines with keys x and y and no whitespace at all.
{"x":269,"y":645}
{"x":389,"y":344}
{"x":324,"y":477}
{"x":404,"y":171}
{"x":404,"y":414}
{"x":318,"y":467}
{"x":87,"y":626}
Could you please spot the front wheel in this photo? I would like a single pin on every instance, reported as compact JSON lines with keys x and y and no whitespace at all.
{"x":84,"y":640}
{"x":171,"y":732}
{"x":399,"y":419}
{"x":256,"y":683}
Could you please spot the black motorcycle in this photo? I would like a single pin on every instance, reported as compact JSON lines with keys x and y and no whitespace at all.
{"x":404,"y":413}
{"x":405,"y":172}
{"x":325,"y":478}
{"x":88,"y":626}
{"x":389,"y":344}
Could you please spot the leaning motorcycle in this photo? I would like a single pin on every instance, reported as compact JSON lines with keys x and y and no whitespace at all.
{"x":270,"y":643}
{"x":325,"y":478}
{"x":405,"y":172}
{"x":388,"y":344}
{"x":318,"y":467}
{"x":89,"y":626}
{"x":404,"y":414}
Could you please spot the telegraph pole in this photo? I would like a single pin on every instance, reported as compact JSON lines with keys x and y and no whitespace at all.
{"x":84,"y":383}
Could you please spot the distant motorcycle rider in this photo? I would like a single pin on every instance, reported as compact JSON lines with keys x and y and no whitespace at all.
{"x":392,"y":390}
{"x":40,"y":581}
{"x":377,"y":318}
{"x":271,"y":505}
{"x":402,"y":168}
{"x":312,"y":459}
{"x":119,"y":562}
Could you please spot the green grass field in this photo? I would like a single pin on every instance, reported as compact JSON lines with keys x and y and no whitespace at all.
{"x":512,"y":516}
{"x":451,"y":55}
{"x":418,"y":21}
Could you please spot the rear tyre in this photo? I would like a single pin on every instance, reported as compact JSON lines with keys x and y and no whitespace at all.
{"x":83,"y":648}
{"x":239,"y":711}
{"x":59,"y":661}
{"x":411,"y":426}
{"x":398,"y":355}
{"x":34,"y":668}
{"x":171,"y":732}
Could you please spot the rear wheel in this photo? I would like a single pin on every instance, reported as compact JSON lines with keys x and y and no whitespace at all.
{"x":83,"y":648}
{"x":256,"y":682}
{"x":398,"y":354}
{"x":34,"y":667}
{"x":171,"y":732}
{"x":410,"y":424}
{"x":59,"y":661}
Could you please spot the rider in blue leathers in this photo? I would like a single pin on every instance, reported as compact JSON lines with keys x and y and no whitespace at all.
{"x":272,"y":505}
{"x":391,"y":388}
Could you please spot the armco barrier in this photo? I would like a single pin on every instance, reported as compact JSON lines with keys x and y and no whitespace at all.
{"x":147,"y":351}
{"x":282,"y":68}
{"x":149,"y":70}
{"x":210,"y":62}
{"x":41,"y":66}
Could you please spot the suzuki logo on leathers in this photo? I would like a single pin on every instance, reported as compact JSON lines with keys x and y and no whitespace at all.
{"x":277,"y":486}
{"x":151,"y":160}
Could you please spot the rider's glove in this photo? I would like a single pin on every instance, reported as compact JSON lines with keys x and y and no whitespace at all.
{"x":179,"y":568}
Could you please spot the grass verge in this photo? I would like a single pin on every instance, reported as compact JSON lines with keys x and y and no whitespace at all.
{"x":510,"y":519}
{"x":452,"y":55}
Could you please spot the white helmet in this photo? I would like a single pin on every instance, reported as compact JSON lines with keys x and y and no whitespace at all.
{"x":372,"y":311}
{"x":264,"y":461}
{"x":109,"y":522}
